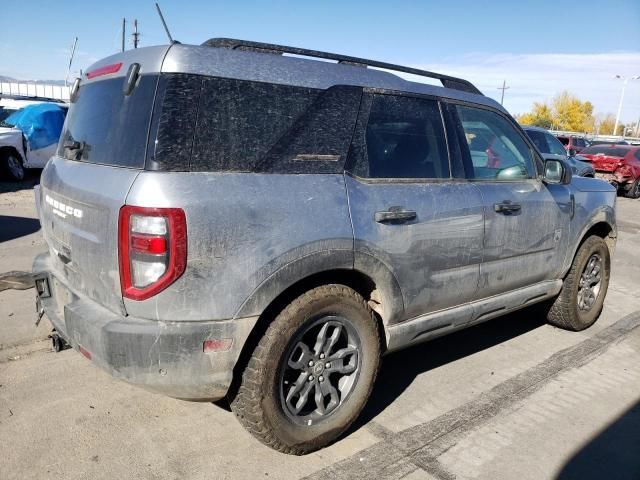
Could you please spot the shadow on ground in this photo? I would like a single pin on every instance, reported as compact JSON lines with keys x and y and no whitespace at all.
{"x":16,"y":227}
{"x":31,"y":178}
{"x":401,"y":368}
{"x":613,"y":453}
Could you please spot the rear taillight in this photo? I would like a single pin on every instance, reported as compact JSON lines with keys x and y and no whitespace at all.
{"x":152,"y":249}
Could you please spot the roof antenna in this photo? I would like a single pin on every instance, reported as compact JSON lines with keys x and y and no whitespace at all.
{"x":164,"y":24}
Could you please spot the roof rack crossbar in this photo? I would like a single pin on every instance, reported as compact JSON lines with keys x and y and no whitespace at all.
{"x":234,"y":44}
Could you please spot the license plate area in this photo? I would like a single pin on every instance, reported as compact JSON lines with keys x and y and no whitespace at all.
{"x":42,"y":287}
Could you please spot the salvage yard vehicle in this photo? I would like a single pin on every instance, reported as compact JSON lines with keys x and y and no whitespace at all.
{"x":572,"y":143}
{"x":617,"y":164}
{"x":551,"y":148}
{"x":29,"y":137}
{"x":244,"y":220}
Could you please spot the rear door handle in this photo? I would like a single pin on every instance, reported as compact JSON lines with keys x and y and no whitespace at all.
{"x":506,"y":207}
{"x":395,"y":214}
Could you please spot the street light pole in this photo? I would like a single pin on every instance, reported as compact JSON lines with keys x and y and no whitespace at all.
{"x":624,"y":86}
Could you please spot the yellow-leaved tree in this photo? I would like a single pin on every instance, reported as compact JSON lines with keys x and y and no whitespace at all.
{"x":566,"y":112}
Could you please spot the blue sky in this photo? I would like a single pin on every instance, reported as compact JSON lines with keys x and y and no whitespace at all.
{"x":540,"y":47}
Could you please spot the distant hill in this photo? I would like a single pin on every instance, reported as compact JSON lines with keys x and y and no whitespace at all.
{"x":4,"y":78}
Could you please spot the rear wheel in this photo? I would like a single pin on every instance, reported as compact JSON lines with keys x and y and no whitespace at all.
{"x":634,"y":190}
{"x":312,"y":372}
{"x":580,"y":301}
{"x":13,"y":166}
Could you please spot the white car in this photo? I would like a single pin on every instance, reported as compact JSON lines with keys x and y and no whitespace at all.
{"x":29,"y":135}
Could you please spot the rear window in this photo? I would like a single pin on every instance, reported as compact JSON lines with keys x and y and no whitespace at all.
{"x":564,"y":140}
{"x":605,"y":149}
{"x":106,"y":127}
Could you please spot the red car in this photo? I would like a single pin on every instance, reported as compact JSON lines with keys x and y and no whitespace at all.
{"x":617,"y":164}
{"x":572,"y":144}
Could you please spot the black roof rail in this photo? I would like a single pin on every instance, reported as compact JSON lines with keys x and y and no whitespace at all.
{"x":234,"y":44}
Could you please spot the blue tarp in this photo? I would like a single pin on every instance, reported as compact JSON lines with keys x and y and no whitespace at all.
{"x":40,"y":123}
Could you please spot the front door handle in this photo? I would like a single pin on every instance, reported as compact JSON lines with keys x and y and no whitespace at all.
{"x":395,"y":214}
{"x":507,"y":207}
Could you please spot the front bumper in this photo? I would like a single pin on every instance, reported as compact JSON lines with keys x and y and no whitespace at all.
{"x":165,"y":357}
{"x":615,"y":179}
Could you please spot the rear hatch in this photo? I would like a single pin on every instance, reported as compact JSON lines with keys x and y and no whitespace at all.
{"x":101,"y":151}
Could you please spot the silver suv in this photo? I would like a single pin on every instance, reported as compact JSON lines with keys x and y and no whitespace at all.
{"x":231,"y":220}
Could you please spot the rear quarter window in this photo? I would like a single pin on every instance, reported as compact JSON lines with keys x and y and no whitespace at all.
{"x":212,"y":124}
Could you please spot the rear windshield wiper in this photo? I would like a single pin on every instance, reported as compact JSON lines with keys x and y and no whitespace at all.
{"x":74,"y":146}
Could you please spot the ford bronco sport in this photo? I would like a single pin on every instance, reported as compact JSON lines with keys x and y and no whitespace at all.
{"x":242,"y":220}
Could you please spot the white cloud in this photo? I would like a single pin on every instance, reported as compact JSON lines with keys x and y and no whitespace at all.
{"x":538,"y":77}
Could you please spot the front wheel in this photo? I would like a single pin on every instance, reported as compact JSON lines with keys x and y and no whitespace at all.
{"x":580,"y":301}
{"x":634,"y":190}
{"x":312,"y":372}
{"x":13,"y":166}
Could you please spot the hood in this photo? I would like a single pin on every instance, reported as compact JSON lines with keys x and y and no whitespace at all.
{"x":587,"y":184}
{"x":9,"y":132}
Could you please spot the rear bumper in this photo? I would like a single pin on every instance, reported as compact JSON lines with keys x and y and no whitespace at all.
{"x":165,"y":357}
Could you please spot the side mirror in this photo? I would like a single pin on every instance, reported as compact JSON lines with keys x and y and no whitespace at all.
{"x":572,"y":152}
{"x":555,"y":171}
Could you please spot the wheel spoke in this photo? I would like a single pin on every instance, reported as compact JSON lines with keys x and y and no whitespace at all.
{"x":328,"y":390}
{"x":344,"y":361}
{"x":303,"y":398}
{"x":303,"y":355}
{"x":324,"y":344}
{"x":296,"y":387}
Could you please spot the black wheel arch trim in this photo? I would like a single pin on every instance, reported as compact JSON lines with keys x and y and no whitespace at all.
{"x":327,"y":261}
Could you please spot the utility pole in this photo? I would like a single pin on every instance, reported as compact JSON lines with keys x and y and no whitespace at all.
{"x":135,"y":34}
{"x":124,"y":26}
{"x":624,"y":86}
{"x":503,"y":88}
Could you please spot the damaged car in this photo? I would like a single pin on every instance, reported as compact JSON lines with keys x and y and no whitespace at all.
{"x":618,"y":165}
{"x":29,"y":137}
{"x":262,"y":223}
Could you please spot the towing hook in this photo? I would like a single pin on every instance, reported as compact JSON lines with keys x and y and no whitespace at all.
{"x":16,"y":280}
{"x":58,"y":342}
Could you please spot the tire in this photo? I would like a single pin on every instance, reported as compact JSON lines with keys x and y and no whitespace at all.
{"x":575,"y":308}
{"x":13,"y":166}
{"x":634,"y":190}
{"x":278,"y":373}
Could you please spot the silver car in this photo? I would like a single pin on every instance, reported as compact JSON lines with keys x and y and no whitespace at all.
{"x":230,"y":220}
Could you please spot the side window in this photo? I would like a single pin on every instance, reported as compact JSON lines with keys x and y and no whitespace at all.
{"x":555,"y":146}
{"x":497,"y":149}
{"x":539,"y":140}
{"x":404,"y":138}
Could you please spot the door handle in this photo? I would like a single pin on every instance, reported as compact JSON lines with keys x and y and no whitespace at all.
{"x":507,"y":207}
{"x":395,"y":214}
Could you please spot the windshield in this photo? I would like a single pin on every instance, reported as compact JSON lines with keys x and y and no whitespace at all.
{"x":606,"y":150}
{"x":5,"y":121}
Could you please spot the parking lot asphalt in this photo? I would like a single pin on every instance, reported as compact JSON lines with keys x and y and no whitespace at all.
{"x":511,"y":398}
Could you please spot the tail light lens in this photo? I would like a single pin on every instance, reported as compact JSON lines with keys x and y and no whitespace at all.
{"x":152,"y":248}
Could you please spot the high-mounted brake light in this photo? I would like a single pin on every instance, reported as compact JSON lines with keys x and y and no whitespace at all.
{"x":106,"y":70}
{"x":152,"y":248}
